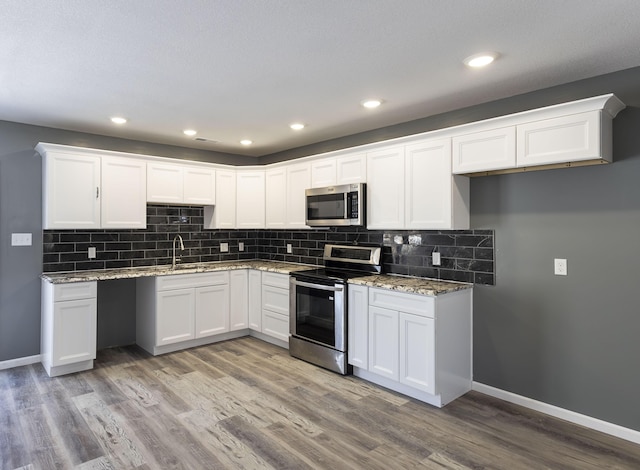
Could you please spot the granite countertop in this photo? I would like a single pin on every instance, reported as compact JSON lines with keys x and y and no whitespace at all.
{"x":410,"y":285}
{"x":164,"y":270}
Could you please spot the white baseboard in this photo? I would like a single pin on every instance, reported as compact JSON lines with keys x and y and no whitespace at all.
{"x":557,"y":412}
{"x":21,"y":361}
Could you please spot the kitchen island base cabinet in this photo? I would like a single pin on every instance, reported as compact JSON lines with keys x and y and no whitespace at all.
{"x":68,"y":330}
{"x":417,"y":345}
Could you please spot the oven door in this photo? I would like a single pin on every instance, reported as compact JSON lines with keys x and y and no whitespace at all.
{"x":318,"y":313}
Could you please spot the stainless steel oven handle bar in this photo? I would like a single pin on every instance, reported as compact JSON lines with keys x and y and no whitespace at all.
{"x":316,"y":286}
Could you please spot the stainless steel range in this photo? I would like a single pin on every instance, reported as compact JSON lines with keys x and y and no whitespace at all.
{"x":318,"y":305}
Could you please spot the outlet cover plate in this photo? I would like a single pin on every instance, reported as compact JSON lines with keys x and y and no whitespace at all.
{"x":224,"y":247}
{"x":560,"y":266}
{"x":20,"y":239}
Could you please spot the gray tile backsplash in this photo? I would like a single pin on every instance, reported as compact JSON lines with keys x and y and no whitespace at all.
{"x":467,"y":255}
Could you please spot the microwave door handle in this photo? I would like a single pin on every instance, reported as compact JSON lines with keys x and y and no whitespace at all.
{"x":316,"y":286}
{"x":346,"y":205}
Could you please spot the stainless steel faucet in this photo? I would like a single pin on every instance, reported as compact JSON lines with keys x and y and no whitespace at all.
{"x":179,"y":238}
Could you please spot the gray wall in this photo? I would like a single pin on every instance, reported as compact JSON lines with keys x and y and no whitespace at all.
{"x":569,"y":341}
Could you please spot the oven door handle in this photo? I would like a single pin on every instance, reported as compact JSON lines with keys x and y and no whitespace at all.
{"x":316,"y":286}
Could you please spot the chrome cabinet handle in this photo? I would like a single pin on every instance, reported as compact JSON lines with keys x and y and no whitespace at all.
{"x":97,"y":192}
{"x":317,"y":286}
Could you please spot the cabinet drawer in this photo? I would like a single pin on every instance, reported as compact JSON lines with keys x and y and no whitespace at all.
{"x":75,"y":291}
{"x":422,"y":305}
{"x":275,"y":299}
{"x":182,"y":281}
{"x":276,"y":325}
{"x":275,"y":280}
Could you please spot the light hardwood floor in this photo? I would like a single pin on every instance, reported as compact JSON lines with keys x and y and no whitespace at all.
{"x":245,"y":404}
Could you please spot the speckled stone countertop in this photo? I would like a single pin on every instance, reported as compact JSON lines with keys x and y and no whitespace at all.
{"x":129,"y":273}
{"x":410,"y":285}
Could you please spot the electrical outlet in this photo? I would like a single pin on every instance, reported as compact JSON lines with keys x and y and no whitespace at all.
{"x":560,"y":267}
{"x":20,"y":239}
{"x":240,"y":246}
{"x":289,"y":248}
{"x":224,"y":247}
{"x":91,"y":252}
{"x":435,"y":258}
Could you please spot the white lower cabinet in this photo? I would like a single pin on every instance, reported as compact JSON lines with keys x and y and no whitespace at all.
{"x":275,"y":306}
{"x":68,"y":330}
{"x":238,"y":300}
{"x":182,"y":310}
{"x":415,"y":344}
{"x":255,"y":300}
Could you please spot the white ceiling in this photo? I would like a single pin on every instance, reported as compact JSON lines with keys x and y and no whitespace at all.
{"x":235,"y":69}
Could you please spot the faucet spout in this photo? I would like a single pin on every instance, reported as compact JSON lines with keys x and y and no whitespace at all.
{"x":179,"y":239}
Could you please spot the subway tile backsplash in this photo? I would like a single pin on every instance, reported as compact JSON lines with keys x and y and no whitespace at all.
{"x":467,"y":255}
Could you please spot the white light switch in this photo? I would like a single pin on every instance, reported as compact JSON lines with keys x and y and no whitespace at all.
{"x":224,"y":247}
{"x":91,"y":252}
{"x":20,"y":239}
{"x":240,"y":246}
{"x":289,"y":248}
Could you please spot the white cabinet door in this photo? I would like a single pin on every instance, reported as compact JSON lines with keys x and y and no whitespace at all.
{"x":351,"y":169}
{"x":385,"y":189}
{"x":175,"y":316}
{"x":323,"y":172}
{"x":239,"y":299}
{"x":494,"y":149}
{"x":559,"y":140}
{"x":71,"y":193}
{"x":255,"y":300}
{"x":223,"y":214}
{"x":199,"y":186}
{"x":383,"y":342}
{"x":211,"y":310}
{"x":276,"y":198}
{"x":74,"y":331}
{"x":165,"y":183}
{"x":358,"y":321}
{"x":250,"y":199}
{"x":124,"y":193}
{"x":434,"y":198}
{"x":298,"y":180}
{"x":417,"y":352}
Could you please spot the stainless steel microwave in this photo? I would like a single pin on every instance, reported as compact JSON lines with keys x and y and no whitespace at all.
{"x":336,"y":205}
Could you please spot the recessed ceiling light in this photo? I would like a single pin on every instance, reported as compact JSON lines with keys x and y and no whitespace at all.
{"x":480,"y":60}
{"x":373,"y":103}
{"x":118,"y":120}
{"x":189,"y":132}
{"x":246,"y":142}
{"x":296,"y":126}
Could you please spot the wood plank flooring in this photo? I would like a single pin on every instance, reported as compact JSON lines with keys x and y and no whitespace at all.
{"x":245,"y":404}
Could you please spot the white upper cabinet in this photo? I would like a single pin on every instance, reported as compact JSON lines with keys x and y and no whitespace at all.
{"x":276,"y":197}
{"x":124,"y":193}
{"x":298,"y":181}
{"x":385,"y":188}
{"x":434,"y":198}
{"x":568,"y":138}
{"x":323,"y":172}
{"x":351,"y":169}
{"x":180,"y":184}
{"x":165,"y":183}
{"x":562,"y":135}
{"x":199,"y":186}
{"x":71,"y":191}
{"x":223,"y":214}
{"x":494,"y":149}
{"x":89,"y":191}
{"x":250,"y":199}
